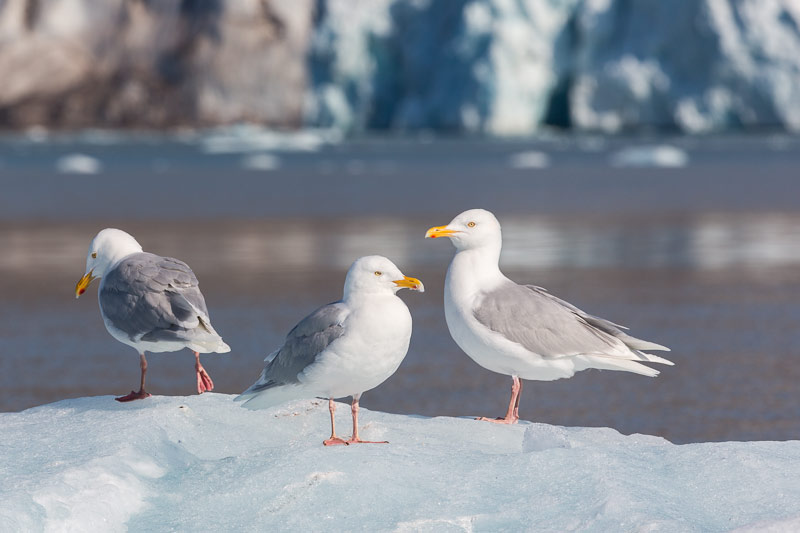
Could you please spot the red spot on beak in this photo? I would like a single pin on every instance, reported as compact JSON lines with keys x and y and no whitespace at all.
{"x":81,"y":291}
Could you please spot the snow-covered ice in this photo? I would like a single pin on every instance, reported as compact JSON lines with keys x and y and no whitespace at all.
{"x":78,"y":164}
{"x":203,"y":462}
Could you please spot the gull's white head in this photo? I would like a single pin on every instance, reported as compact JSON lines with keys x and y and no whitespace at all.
{"x":475,"y":228}
{"x":106,"y":249}
{"x":375,"y":274}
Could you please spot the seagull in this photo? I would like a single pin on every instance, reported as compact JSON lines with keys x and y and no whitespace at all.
{"x":149,"y":302}
{"x":344,"y":348}
{"x":522,"y":330}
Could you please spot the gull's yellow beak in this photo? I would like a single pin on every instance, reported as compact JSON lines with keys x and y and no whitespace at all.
{"x":84,"y":282}
{"x":410,"y":283}
{"x":439,"y":231}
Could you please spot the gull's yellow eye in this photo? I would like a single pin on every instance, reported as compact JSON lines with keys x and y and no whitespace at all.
{"x":94,"y":255}
{"x":471,"y":224}
{"x":378,"y":273}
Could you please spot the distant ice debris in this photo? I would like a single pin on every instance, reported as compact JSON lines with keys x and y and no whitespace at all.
{"x":661,"y":155}
{"x":261,"y":162}
{"x":103,"y":136}
{"x":532,"y":159}
{"x":355,"y":167}
{"x":591,"y":143}
{"x":37,"y":134}
{"x":251,"y":138}
{"x":78,"y":164}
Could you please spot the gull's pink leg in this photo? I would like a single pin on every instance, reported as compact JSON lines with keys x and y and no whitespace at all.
{"x":512,"y":415}
{"x":142,"y":394}
{"x":354,"y":439}
{"x":204,"y":382}
{"x":516,"y":403}
{"x":334,"y":439}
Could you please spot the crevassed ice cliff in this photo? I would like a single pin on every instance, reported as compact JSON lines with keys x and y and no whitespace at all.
{"x":493,"y":66}
{"x":118,"y":63}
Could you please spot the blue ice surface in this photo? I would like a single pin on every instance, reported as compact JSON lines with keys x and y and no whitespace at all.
{"x":203,"y":462}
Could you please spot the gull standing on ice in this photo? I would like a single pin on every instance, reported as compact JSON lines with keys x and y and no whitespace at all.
{"x":149,"y":302}
{"x":344,"y":348}
{"x":522,"y":330}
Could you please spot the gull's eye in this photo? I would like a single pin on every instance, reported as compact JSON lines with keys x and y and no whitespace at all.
{"x":378,"y":273}
{"x":94,"y":255}
{"x":470,"y":224}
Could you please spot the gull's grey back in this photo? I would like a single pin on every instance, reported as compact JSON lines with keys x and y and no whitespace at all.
{"x":544,"y":324}
{"x":153,"y":297}
{"x":303,"y":344}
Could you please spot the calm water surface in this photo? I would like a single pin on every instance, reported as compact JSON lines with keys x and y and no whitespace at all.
{"x":704,"y":258}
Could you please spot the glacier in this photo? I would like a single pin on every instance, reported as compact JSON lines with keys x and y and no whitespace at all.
{"x":202,"y":462}
{"x":488,"y":67}
{"x":505,"y":67}
{"x":471,"y":66}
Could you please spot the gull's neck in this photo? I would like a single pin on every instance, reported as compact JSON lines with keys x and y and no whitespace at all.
{"x":352,"y":296}
{"x":117,"y":254}
{"x":475,"y":270}
{"x":111,"y":258}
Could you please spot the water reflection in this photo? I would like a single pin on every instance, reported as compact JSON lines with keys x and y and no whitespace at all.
{"x":706,"y":242}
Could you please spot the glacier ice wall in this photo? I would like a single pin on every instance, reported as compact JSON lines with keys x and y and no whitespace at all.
{"x":498,"y":67}
{"x":116,"y":63}
{"x":695,"y":66}
{"x":506,"y":68}
{"x":475,"y":66}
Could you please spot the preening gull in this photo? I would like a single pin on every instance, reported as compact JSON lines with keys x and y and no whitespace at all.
{"x":522,"y":330}
{"x":344,"y":348}
{"x":149,"y":302}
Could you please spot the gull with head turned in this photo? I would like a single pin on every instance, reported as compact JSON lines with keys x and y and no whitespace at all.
{"x":344,"y":348}
{"x":149,"y":302}
{"x":522,"y":330}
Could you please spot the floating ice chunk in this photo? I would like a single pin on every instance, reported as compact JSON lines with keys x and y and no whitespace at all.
{"x":591,"y":143}
{"x":532,"y":159}
{"x":261,"y":162}
{"x":355,"y":167}
{"x":779,"y":142}
{"x":37,"y":134}
{"x":247,"y":138}
{"x":78,"y":164}
{"x":661,"y":155}
{"x":103,"y":137}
